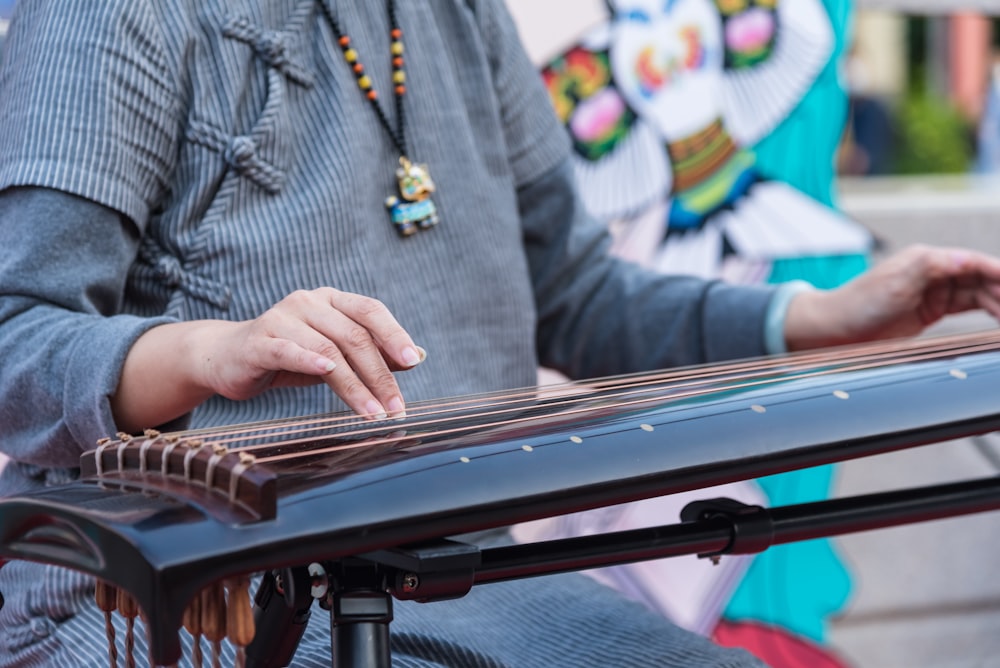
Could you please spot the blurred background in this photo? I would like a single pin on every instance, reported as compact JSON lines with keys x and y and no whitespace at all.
{"x":913,"y":109}
{"x":923,"y":88}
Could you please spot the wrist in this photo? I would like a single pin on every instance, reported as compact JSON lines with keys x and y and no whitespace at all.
{"x":199,"y":347}
{"x":812,"y":321}
{"x":165,"y":375}
{"x":775,"y":327}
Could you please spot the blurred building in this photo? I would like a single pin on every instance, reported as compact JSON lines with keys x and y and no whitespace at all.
{"x":919,"y":74}
{"x":957,"y":42}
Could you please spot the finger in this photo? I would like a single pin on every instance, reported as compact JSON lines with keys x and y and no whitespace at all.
{"x":297,"y":342}
{"x":985,"y":266}
{"x":338,"y":374}
{"x":989,"y":301}
{"x":348,"y":326}
{"x":977,"y":283}
{"x":350,"y":387}
{"x":292,"y":346}
{"x":395,"y":366}
{"x":945,"y":280}
{"x":261,"y":362}
{"x":939,"y":299}
{"x":364,"y":381}
{"x":964,"y":264}
{"x":389,"y":335}
{"x":964,"y":289}
{"x":991,"y":291}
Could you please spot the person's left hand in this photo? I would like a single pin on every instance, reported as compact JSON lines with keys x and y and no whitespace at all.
{"x":900,"y":296}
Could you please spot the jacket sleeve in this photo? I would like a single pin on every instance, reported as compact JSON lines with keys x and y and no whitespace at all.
{"x":63,"y":347}
{"x":599,"y":315}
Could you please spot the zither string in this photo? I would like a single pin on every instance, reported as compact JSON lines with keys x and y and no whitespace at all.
{"x":875,"y":354}
{"x":886,"y":351}
{"x":624,"y":402}
{"x":439,"y":418}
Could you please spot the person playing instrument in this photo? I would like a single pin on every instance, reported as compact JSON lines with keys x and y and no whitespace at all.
{"x":193,"y":204}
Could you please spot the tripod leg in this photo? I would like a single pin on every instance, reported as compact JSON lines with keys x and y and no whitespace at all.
{"x":360,"y":612}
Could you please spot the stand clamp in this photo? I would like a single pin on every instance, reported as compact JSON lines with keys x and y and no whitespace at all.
{"x":752,"y":527}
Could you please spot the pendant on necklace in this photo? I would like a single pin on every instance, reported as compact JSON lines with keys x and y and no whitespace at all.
{"x":413,"y":209}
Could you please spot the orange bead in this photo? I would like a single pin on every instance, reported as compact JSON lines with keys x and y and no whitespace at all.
{"x":359,"y":68}
{"x":372,"y":95}
{"x":400,"y":90}
{"x":345,"y":41}
{"x":397,"y":63}
{"x":396,"y":33}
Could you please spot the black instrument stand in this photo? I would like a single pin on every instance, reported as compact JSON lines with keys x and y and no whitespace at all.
{"x":358,"y":591}
{"x":361,"y":590}
{"x":358,"y":594}
{"x":360,"y":612}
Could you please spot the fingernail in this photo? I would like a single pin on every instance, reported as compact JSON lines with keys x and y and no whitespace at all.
{"x":422,"y":353}
{"x":374,"y":411}
{"x":326,"y":365}
{"x":411,"y":356}
{"x":396,"y":408}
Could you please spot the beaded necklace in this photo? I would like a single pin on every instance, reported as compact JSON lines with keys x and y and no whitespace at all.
{"x":413,"y":209}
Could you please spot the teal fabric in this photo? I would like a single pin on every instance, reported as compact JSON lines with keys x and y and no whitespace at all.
{"x":800,"y":585}
{"x":801,"y":151}
{"x":797,"y":586}
{"x":823,"y":271}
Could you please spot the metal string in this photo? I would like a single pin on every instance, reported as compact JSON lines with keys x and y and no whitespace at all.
{"x":633,"y":390}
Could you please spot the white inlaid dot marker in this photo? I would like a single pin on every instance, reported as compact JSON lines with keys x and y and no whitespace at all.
{"x":527,"y":448}
{"x":958,"y":373}
{"x":576,"y":439}
{"x":646,"y":427}
{"x":757,"y":408}
{"x":840,"y":394}
{"x":464,"y":460}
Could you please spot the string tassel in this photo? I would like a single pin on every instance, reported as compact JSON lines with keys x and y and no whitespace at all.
{"x":106,"y":597}
{"x":129,"y":610}
{"x":239,"y":616}
{"x":213,"y":619}
{"x":192,"y":624}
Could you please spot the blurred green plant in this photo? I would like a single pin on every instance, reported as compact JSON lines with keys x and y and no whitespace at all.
{"x":933,"y":137}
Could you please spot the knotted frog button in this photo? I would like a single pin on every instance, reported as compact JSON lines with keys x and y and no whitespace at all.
{"x":272,"y":46}
{"x":241,"y":151}
{"x":42,"y":627}
{"x":168,"y":269}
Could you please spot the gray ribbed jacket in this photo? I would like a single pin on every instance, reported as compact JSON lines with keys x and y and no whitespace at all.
{"x":182,"y":159}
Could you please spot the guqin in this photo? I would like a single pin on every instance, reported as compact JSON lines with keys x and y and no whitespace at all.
{"x":161,"y":519}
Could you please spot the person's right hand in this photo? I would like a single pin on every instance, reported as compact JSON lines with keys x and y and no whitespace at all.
{"x":348,"y":341}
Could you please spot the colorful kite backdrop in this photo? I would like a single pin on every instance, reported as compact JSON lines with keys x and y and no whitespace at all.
{"x":669,"y":104}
